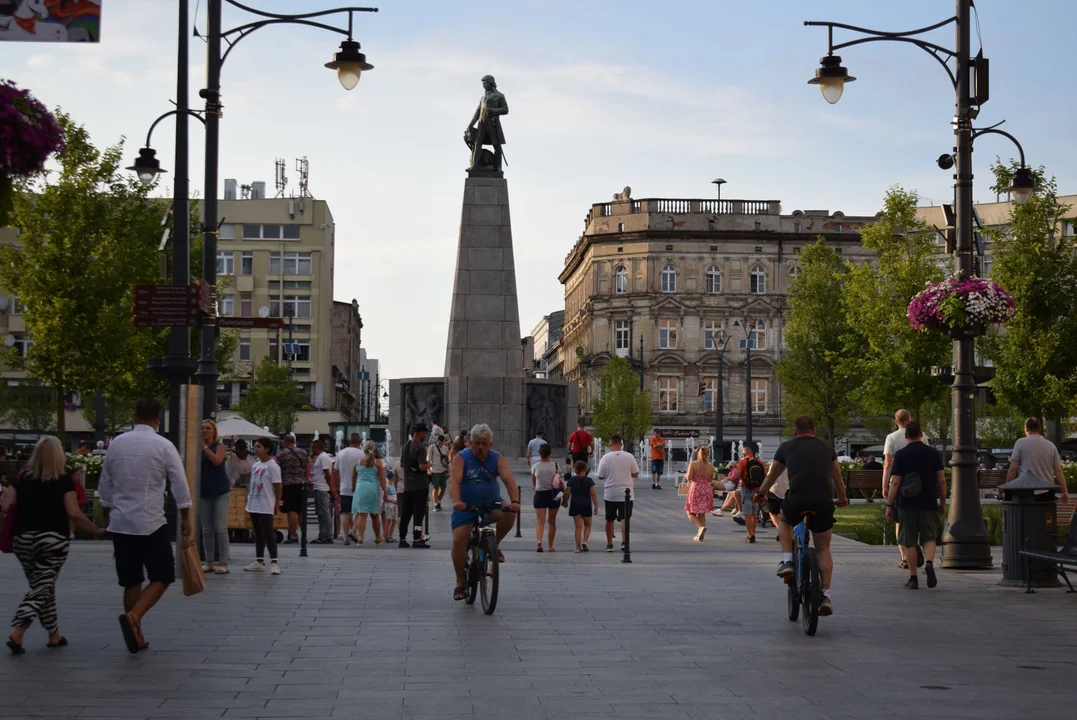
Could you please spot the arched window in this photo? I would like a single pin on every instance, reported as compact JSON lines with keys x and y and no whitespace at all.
{"x":620,"y":280}
{"x":760,"y":332}
{"x":758,"y":280}
{"x":714,"y":279}
{"x":669,"y":279}
{"x":794,"y":272}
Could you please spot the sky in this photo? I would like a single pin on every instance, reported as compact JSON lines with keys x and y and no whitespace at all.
{"x":662,"y":97}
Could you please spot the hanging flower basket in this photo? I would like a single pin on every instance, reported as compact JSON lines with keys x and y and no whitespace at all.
{"x":29,"y":134}
{"x":960,"y":307}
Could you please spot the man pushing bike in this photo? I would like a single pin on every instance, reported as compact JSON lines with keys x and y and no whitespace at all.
{"x":473,"y":482}
{"x":814,"y":475}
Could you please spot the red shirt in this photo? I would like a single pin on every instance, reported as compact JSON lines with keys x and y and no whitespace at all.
{"x":579,"y":441}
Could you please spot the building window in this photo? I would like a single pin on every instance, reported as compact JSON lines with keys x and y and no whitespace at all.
{"x":245,"y":305}
{"x":759,"y":335}
{"x":620,"y":280}
{"x":226,"y":263}
{"x":713,"y":329}
{"x":22,"y":345}
{"x":667,"y":334}
{"x":227,"y":231}
{"x":246,"y":263}
{"x":837,"y":227}
{"x":758,"y":226}
{"x":620,"y":227}
{"x":1069,"y":228}
{"x":244,"y":348}
{"x":620,"y":338}
{"x":225,"y":305}
{"x":795,"y":271}
{"x":296,"y":306}
{"x":669,"y":279}
{"x":668,"y":394}
{"x":272,"y":349}
{"x":759,"y":395}
{"x":714,"y":279}
{"x":16,"y":306}
{"x":710,"y":395}
{"x":796,"y":227}
{"x":295,"y":263}
{"x":758,"y":282}
{"x":270,"y":232}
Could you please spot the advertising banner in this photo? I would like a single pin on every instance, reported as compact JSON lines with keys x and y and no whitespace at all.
{"x":50,"y":20}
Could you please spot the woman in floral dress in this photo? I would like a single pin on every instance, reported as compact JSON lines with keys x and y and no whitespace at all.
{"x":700,"y":491}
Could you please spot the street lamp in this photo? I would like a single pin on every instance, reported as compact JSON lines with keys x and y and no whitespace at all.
{"x":719,"y":341}
{"x":966,"y":544}
{"x":748,"y":343}
{"x":147,"y":166}
{"x":349,"y":64}
{"x":718,"y":183}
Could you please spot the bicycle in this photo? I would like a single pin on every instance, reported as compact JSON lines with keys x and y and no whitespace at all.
{"x":482,"y":575}
{"x":806,"y":586}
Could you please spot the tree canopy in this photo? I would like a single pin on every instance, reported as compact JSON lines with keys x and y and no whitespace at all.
{"x":271,"y":397}
{"x":621,"y":408}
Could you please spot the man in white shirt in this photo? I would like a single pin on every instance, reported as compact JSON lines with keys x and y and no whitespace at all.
{"x":321,"y":468}
{"x":347,"y":460}
{"x":895,"y":441}
{"x":618,"y":469}
{"x":138,"y":468}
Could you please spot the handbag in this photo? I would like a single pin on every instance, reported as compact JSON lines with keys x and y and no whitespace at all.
{"x":7,"y":532}
{"x":194,"y":580}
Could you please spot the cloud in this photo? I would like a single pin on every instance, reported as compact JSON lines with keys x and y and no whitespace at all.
{"x":39,"y":60}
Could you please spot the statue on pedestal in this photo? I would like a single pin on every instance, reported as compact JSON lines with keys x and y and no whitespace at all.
{"x":485,"y":129}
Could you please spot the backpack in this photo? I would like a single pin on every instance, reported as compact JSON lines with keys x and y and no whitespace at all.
{"x":755,"y":473}
{"x":574,"y":443}
{"x":910,"y":485}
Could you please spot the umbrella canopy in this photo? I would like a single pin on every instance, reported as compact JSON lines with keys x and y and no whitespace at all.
{"x":237,"y":427}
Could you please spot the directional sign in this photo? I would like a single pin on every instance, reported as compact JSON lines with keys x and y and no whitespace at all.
{"x":247,"y":323}
{"x":166,"y":306}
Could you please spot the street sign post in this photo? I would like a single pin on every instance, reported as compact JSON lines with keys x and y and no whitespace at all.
{"x":166,"y":306}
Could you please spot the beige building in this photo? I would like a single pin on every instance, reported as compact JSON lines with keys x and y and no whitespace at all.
{"x":685,"y":276}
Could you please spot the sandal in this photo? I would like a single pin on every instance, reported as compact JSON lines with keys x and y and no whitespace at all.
{"x":904,"y":565}
{"x":221,"y":570}
{"x":130,"y":636}
{"x":62,"y":642}
{"x":538,"y":549}
{"x":207,"y":568}
{"x":379,"y":541}
{"x":16,"y":648}
{"x":458,"y":594}
{"x":500,"y":557}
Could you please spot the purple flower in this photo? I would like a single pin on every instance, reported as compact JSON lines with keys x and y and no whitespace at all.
{"x":29,"y":132}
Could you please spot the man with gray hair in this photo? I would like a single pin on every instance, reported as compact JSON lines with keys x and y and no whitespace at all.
{"x":473,"y":476}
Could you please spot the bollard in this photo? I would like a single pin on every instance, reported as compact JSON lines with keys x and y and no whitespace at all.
{"x":518,"y":515}
{"x":303,"y":522}
{"x":628,"y":521}
{"x":426,"y":519}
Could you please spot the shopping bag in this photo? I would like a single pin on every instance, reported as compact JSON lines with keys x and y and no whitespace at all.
{"x":194,"y":581}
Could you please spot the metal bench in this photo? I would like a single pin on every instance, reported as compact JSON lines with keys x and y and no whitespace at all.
{"x":1059,"y":560}
{"x":864,"y":480}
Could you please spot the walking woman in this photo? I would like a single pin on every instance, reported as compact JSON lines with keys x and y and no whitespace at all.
{"x":546,"y":479}
{"x":46,"y":504}
{"x":700,"y":499}
{"x":216,"y":495}
{"x":369,"y":493}
{"x":263,"y":499}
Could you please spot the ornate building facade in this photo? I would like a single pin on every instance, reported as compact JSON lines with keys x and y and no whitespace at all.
{"x":677,"y":286}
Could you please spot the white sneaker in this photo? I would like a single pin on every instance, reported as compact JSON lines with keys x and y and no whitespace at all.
{"x":737,"y":514}
{"x":255,"y":567}
{"x":275,"y":570}
{"x":718,"y":513}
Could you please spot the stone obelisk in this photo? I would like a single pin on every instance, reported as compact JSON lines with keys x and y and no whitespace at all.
{"x":483,"y":360}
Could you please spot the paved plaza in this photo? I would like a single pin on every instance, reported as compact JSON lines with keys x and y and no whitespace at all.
{"x":688,"y":630}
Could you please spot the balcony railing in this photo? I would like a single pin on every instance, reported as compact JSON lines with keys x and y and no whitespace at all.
{"x":671,"y":206}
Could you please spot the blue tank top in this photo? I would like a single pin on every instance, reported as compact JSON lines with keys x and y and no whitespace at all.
{"x":479,"y":483}
{"x":214,"y":481}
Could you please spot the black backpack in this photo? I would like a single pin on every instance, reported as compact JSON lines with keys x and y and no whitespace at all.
{"x":754,"y":473}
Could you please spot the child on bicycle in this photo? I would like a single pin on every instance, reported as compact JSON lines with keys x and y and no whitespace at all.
{"x":581,"y":498}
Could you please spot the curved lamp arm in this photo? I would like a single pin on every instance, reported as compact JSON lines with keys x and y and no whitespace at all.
{"x":192,"y":113}
{"x":991,"y":130}
{"x":942,"y":54}
{"x":243,"y":31}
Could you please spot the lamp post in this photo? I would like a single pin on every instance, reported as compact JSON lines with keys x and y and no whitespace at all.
{"x":748,"y":343}
{"x":719,"y":396}
{"x":966,"y":544}
{"x":641,"y":362}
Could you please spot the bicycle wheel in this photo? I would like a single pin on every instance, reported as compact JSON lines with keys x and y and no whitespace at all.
{"x":813,"y":593}
{"x":490,"y":572}
{"x":471,"y":577}
{"x":794,"y":590}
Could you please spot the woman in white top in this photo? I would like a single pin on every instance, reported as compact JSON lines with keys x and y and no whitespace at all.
{"x":549,"y":489}
{"x":263,"y":499}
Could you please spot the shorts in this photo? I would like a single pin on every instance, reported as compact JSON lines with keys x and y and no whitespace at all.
{"x":916,"y":527}
{"x":748,"y":505}
{"x":438,"y":481}
{"x":618,"y":510}
{"x":544,"y":499}
{"x":152,"y":552}
{"x":729,"y":485}
{"x":346,"y":504}
{"x":580,"y":510}
{"x":581,"y":457}
{"x":292,"y":498}
{"x":822,"y":506}
{"x":774,"y":504}
{"x":657,"y":466}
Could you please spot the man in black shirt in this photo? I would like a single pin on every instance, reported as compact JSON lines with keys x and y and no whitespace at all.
{"x":814,"y":475}
{"x":412,"y":500}
{"x":920,"y":482}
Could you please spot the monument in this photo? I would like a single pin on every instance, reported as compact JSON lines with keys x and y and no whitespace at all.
{"x":485,"y":380}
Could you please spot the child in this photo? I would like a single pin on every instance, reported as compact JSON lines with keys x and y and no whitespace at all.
{"x":581,"y":498}
{"x":389,"y":506}
{"x":263,"y":498}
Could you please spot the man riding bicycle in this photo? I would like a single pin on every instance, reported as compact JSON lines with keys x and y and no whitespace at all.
{"x":814,"y":475}
{"x":473,"y":475}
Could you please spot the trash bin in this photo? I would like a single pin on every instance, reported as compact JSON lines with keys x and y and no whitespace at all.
{"x":1028,"y":523}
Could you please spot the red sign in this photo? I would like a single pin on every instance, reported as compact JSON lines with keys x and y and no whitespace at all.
{"x":246,"y":323}
{"x":166,"y":306}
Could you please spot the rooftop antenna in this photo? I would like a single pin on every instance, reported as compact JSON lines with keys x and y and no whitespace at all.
{"x":302,"y":166}
{"x":281,"y":179}
{"x":244,"y":192}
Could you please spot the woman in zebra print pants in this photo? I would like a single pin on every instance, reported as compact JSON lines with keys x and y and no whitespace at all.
{"x":46,"y":505}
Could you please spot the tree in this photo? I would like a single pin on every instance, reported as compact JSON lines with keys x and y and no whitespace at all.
{"x":88,"y":233}
{"x":29,"y":405}
{"x":621,"y":408}
{"x":1034,"y":354}
{"x":898,"y":362}
{"x":820,"y":369}
{"x":271,"y":397}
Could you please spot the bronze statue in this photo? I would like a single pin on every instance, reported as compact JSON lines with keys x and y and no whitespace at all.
{"x":485,"y":129}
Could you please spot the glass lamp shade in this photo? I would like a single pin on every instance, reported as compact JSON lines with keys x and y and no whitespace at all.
{"x":147,"y":167}
{"x":832,"y":88}
{"x":348,"y":73}
{"x":831,"y":78}
{"x":146,"y":176}
{"x":1022,"y":186}
{"x":1021,"y":195}
{"x":349,"y":64}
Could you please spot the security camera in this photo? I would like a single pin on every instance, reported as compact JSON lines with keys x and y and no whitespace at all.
{"x":945,"y":161}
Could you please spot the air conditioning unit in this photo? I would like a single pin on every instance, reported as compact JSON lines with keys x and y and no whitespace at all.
{"x":258,"y":190}
{"x":231,"y":189}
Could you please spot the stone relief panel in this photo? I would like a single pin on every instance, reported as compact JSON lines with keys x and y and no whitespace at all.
{"x":423,"y":403}
{"x":547,"y":408}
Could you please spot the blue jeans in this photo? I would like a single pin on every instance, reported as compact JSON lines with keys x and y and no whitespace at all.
{"x":214,"y":521}
{"x":322,"y":507}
